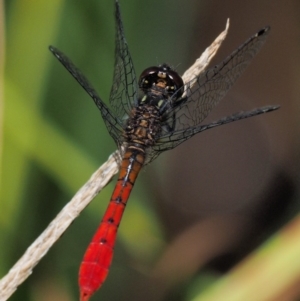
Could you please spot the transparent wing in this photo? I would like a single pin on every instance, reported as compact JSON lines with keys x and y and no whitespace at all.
{"x":123,"y":94}
{"x":167,"y":141}
{"x":112,"y":123}
{"x":205,"y":91}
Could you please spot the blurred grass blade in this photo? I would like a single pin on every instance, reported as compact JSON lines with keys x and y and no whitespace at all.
{"x":46,"y":153}
{"x":2,"y":59}
{"x":265,"y":275}
{"x":30,"y":26}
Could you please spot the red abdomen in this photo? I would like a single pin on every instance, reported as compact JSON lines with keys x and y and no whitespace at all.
{"x":98,"y":256}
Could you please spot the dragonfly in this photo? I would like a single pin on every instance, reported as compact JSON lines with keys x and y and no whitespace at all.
{"x":148,"y":116}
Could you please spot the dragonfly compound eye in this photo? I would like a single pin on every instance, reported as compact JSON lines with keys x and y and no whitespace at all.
{"x":164,"y":77}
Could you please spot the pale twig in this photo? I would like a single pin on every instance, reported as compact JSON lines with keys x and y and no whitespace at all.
{"x":23,"y":267}
{"x":190,"y":75}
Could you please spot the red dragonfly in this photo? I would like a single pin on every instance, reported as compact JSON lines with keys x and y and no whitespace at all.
{"x":149,"y":116}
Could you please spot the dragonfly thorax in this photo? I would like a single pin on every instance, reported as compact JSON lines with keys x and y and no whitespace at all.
{"x":156,"y":97}
{"x":143,"y":126}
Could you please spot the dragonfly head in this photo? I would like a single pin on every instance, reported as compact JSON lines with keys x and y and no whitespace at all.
{"x":162,"y":78}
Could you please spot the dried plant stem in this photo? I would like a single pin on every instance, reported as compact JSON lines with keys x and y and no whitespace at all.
{"x":201,"y":63}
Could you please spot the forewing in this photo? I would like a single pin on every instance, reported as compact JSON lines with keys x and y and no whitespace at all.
{"x":211,"y":86}
{"x":113,"y":125}
{"x":167,"y":142}
{"x":124,"y":89}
